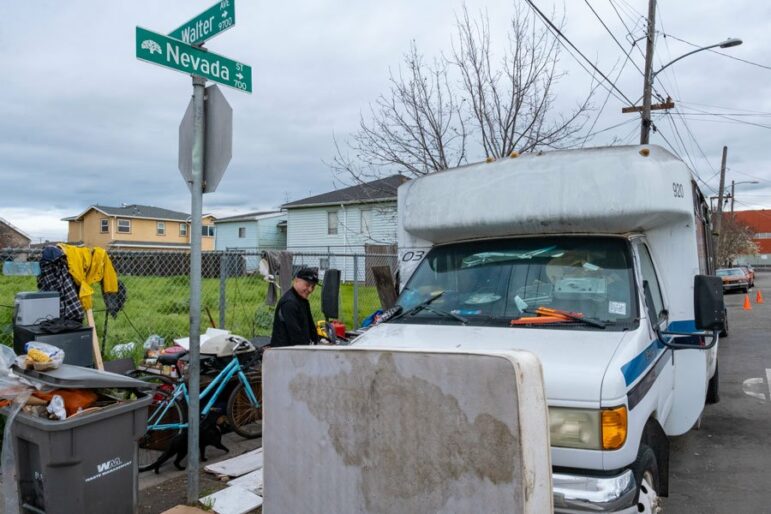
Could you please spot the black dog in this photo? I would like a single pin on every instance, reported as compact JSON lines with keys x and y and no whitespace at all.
{"x":210,"y":435}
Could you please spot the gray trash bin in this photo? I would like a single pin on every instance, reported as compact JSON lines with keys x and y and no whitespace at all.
{"x":86,"y":464}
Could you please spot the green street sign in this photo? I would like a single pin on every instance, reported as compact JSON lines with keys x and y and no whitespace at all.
{"x":171,"y":53}
{"x":208,"y":24}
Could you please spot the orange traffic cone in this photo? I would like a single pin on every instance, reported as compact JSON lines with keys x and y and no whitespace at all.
{"x":747,"y":305}
{"x":759,"y":297}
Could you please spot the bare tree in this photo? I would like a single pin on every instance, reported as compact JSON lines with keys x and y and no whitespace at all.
{"x":735,"y":239}
{"x":435,"y":115}
{"x":415,"y":129}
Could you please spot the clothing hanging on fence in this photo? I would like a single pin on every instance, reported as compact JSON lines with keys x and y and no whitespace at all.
{"x":114,"y":301}
{"x":274,"y":265}
{"x":89,"y":266}
{"x":55,"y":276}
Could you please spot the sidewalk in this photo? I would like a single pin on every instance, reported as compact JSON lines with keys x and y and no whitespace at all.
{"x":158,"y":493}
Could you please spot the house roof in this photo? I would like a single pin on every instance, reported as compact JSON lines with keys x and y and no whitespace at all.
{"x":14,"y":228}
{"x":377,"y":190}
{"x":250,"y":216}
{"x":136,"y":211}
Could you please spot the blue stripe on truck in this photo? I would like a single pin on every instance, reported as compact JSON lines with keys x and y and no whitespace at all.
{"x":635,"y":367}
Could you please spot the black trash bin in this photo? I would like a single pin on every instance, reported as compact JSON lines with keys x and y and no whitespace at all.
{"x":85,"y":464}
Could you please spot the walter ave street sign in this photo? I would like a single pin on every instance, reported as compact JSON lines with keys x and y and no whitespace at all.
{"x":171,"y":53}
{"x":208,"y":24}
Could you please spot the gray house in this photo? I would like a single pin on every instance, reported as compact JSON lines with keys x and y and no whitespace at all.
{"x":251,"y":232}
{"x":355,"y":220}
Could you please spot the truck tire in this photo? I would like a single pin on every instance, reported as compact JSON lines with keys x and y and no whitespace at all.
{"x":713,"y":388}
{"x":724,"y":332}
{"x":648,"y":500}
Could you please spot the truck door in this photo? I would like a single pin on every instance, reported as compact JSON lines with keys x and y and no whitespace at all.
{"x":665,"y":380}
{"x":681,"y":385}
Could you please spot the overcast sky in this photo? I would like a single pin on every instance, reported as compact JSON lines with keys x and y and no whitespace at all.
{"x":83,"y":122}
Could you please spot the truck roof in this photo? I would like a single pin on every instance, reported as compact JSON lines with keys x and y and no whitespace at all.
{"x":613,"y":190}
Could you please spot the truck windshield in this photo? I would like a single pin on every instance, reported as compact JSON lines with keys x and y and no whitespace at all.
{"x":570,"y":282}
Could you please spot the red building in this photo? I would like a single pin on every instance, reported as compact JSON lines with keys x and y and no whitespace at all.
{"x":760,"y":221}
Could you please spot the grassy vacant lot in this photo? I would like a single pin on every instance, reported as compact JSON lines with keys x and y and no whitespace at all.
{"x":160,"y":305}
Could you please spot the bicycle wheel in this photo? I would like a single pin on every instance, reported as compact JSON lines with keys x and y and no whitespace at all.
{"x":245,"y":418}
{"x":155,"y":442}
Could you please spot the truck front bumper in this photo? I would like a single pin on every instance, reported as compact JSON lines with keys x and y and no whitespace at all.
{"x":580,"y":493}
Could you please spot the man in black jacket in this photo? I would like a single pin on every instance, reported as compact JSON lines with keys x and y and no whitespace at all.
{"x":293,"y":321}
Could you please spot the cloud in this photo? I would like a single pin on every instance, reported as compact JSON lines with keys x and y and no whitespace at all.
{"x":84,"y":122}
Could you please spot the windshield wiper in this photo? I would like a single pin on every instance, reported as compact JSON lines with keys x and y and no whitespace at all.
{"x":425,"y":305}
{"x":559,"y":316}
{"x":444,"y":313}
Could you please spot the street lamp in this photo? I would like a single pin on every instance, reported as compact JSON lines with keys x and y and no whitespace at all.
{"x":734,"y":184}
{"x":650,"y":75}
{"x":728,"y":43}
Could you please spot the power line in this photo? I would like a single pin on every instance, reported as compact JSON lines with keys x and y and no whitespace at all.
{"x":602,"y":22}
{"x":592,"y":134}
{"x":556,"y":30}
{"x":605,"y":103}
{"x":629,"y":31}
{"x":721,"y":107}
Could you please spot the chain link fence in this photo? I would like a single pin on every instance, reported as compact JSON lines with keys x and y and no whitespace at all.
{"x":233,"y":291}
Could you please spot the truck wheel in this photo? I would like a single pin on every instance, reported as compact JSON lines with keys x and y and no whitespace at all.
{"x":724,"y":332}
{"x":713,"y":388}
{"x":648,"y":500}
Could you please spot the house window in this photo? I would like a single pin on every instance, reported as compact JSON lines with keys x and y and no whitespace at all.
{"x":104,"y":225}
{"x":366,"y":221}
{"x":332,"y":223}
{"x":160,"y":228}
{"x":241,"y":232}
{"x":207,"y":230}
{"x":324,"y":263}
{"x":124,"y":226}
{"x":183,"y":229}
{"x":763,"y":235}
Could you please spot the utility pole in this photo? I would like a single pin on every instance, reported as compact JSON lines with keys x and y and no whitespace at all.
{"x":645,"y":130}
{"x":719,"y":214}
{"x":732,"y":197}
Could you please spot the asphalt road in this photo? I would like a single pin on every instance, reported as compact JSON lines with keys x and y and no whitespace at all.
{"x":725,"y":467}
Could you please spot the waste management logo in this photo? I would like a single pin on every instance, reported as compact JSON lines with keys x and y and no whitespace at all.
{"x":108,"y":467}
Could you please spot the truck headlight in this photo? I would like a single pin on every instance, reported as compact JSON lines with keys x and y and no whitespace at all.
{"x":588,"y":429}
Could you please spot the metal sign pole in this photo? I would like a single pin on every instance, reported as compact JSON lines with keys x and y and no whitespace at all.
{"x":193,"y":457}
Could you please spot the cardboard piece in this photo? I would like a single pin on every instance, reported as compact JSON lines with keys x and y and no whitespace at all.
{"x":232,"y":500}
{"x":355,"y":429}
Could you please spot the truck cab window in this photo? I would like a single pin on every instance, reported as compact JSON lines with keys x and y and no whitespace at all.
{"x":497,"y":281}
{"x":649,"y":274}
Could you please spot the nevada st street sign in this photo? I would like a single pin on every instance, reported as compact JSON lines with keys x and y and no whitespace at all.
{"x":208,"y":24}
{"x":171,"y":53}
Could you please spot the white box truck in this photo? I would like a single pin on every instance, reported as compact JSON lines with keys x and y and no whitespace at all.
{"x":599,"y":262}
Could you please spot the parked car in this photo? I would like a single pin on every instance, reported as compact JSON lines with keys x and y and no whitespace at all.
{"x":750,"y":273}
{"x":734,"y":279}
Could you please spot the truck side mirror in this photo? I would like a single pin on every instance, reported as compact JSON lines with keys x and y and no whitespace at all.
{"x":708,"y":304}
{"x":330,"y":294}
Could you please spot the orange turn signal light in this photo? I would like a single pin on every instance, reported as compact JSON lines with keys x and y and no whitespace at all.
{"x":614,"y":428}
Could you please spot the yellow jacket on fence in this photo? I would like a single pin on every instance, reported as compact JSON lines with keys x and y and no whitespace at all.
{"x":89,"y":266}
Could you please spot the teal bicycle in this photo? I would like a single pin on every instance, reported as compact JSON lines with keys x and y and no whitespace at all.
{"x":240,"y":377}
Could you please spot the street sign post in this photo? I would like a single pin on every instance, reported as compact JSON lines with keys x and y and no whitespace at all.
{"x":176,"y":55}
{"x":212,"y":21}
{"x":218,"y":139}
{"x":205,"y":145}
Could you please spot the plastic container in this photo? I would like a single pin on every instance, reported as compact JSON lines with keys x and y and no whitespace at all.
{"x":84,"y":464}
{"x":339,"y":327}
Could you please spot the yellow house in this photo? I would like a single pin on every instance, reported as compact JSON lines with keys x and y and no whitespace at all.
{"x":136,"y":227}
